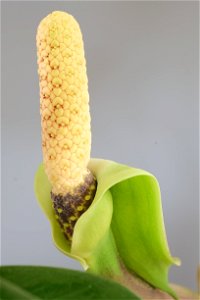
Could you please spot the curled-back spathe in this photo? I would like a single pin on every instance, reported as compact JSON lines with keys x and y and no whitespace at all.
{"x":125,"y":215}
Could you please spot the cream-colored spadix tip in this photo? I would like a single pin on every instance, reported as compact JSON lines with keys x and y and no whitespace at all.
{"x":64,"y":101}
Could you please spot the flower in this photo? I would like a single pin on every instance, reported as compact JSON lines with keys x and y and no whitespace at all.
{"x":111,"y":214}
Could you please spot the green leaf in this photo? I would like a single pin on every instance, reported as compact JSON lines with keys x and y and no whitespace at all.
{"x":28,"y":282}
{"x":124,"y":225}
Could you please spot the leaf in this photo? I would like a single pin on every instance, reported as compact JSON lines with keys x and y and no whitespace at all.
{"x":123,"y":224}
{"x":28,"y":282}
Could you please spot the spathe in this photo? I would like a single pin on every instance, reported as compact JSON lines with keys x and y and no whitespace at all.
{"x":124,"y":225}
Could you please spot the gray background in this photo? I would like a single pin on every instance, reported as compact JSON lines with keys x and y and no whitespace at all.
{"x":142,"y":61}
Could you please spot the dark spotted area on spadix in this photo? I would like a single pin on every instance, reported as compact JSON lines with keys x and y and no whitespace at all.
{"x":71,"y":206}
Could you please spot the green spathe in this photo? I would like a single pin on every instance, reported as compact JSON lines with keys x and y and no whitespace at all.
{"x":124,"y":224}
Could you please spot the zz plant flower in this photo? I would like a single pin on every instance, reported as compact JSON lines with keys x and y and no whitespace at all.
{"x":65,"y":118}
{"x":106,"y":215}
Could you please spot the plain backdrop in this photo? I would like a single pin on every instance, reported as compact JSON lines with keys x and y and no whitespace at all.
{"x":142,"y":62}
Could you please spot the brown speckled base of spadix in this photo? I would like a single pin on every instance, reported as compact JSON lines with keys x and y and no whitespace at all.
{"x":71,"y":206}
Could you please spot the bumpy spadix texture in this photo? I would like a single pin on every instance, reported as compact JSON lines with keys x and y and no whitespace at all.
{"x":64,"y":98}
